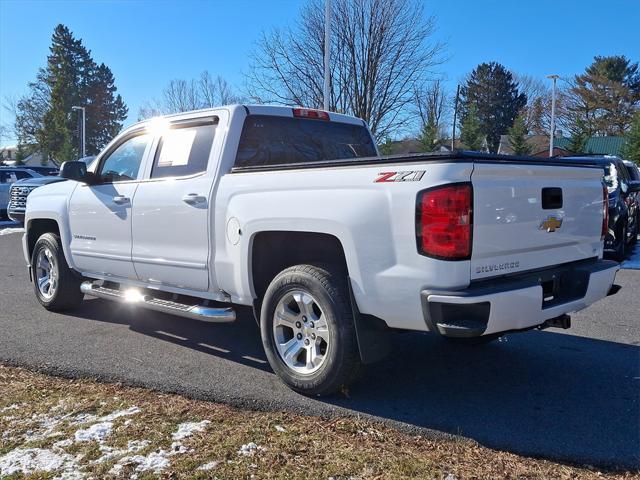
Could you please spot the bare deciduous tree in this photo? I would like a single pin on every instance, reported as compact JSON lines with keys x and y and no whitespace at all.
{"x":431,"y":103}
{"x":184,"y":95}
{"x":537,"y":112}
{"x":381,"y":50}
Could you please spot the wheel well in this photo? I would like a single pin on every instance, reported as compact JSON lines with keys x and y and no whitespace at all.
{"x":272,"y":252}
{"x":37,"y":227}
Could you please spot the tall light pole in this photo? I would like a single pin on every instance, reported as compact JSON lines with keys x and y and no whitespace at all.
{"x":83,"y":137}
{"x":455,"y":117}
{"x":553,"y":113}
{"x":327,"y":53}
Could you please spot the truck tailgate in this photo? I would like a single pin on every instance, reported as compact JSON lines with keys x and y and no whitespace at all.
{"x":533,"y":216}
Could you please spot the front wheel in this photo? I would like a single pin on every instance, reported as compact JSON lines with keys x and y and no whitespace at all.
{"x":56,"y":286}
{"x":307,"y":329}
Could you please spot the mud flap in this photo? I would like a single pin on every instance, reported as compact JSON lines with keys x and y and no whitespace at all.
{"x":373,"y":335}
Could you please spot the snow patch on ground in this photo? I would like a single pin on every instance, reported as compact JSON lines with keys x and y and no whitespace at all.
{"x":280,"y":428}
{"x":96,"y":432}
{"x":14,"y":406}
{"x":120,"y":413}
{"x":101,"y":430}
{"x":109,"y":453}
{"x":250,"y":449}
{"x":208,"y":466}
{"x":30,"y":460}
{"x":187,"y":429}
{"x":178,"y":448}
{"x":67,"y":442}
{"x":155,"y":462}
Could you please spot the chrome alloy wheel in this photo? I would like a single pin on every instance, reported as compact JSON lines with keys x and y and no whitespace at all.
{"x":301,"y":332}
{"x":46,"y":273}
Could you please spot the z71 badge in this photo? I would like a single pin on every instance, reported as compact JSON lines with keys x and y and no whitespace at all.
{"x":412,"y":176}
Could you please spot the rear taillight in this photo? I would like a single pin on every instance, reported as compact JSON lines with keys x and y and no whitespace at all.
{"x":444,"y":221}
{"x":309,"y":113}
{"x":605,"y":212}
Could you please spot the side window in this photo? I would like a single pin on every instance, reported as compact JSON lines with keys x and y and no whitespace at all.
{"x":183,"y":151}
{"x":623,"y":177}
{"x":124,"y":162}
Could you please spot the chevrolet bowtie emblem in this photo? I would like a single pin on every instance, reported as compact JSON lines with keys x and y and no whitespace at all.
{"x":551,"y":224}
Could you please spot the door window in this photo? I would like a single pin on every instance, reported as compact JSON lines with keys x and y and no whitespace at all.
{"x":123,"y":163}
{"x":184,"y":151}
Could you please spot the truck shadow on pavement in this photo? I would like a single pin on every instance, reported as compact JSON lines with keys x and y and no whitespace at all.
{"x":543,"y":394}
{"x":238,"y":341}
{"x":537,"y":393}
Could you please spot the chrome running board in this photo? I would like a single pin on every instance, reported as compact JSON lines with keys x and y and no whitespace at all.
{"x":135,"y":297}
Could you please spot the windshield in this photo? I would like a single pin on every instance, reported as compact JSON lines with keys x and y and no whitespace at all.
{"x":273,"y":140}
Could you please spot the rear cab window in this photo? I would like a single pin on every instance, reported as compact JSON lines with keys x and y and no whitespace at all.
{"x":275,"y":140}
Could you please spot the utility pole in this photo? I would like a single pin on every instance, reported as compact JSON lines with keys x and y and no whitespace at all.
{"x":327,"y":54}
{"x":553,"y":113}
{"x":82,"y":137}
{"x":455,"y":116}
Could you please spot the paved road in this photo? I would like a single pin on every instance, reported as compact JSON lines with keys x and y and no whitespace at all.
{"x":565,"y":396}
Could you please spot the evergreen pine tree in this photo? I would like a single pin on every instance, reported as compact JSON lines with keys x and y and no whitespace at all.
{"x":470,"y":130}
{"x":518,"y":137}
{"x":492,"y":90}
{"x":71,"y":78}
{"x":105,"y":111}
{"x":429,"y":137}
{"x":631,"y":147}
{"x":68,"y":66}
{"x":579,"y":137}
{"x":606,"y":95}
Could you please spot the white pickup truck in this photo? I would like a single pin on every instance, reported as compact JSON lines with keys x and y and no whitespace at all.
{"x":292,"y":212}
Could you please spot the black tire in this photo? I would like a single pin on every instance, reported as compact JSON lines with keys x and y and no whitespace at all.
{"x":328,"y":287}
{"x":474,"y":341}
{"x":621,"y":249}
{"x":66,"y":294}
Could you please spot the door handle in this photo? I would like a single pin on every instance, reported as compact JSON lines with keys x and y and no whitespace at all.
{"x":120,"y":199}
{"x":193,"y":199}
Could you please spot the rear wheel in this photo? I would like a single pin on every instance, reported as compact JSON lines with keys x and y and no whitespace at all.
{"x":56,"y":286}
{"x":621,"y":249}
{"x":307,"y":329}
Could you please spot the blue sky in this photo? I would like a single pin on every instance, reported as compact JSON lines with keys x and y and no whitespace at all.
{"x":146,"y":43}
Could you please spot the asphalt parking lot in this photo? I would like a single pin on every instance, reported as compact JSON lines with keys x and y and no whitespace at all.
{"x":565,"y":395}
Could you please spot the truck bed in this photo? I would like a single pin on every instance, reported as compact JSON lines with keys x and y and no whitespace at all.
{"x":433,"y":157}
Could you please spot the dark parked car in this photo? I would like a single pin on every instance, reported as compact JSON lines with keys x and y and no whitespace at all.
{"x":21,"y":189}
{"x":45,"y":170}
{"x":624,"y":204}
{"x":9,"y":176}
